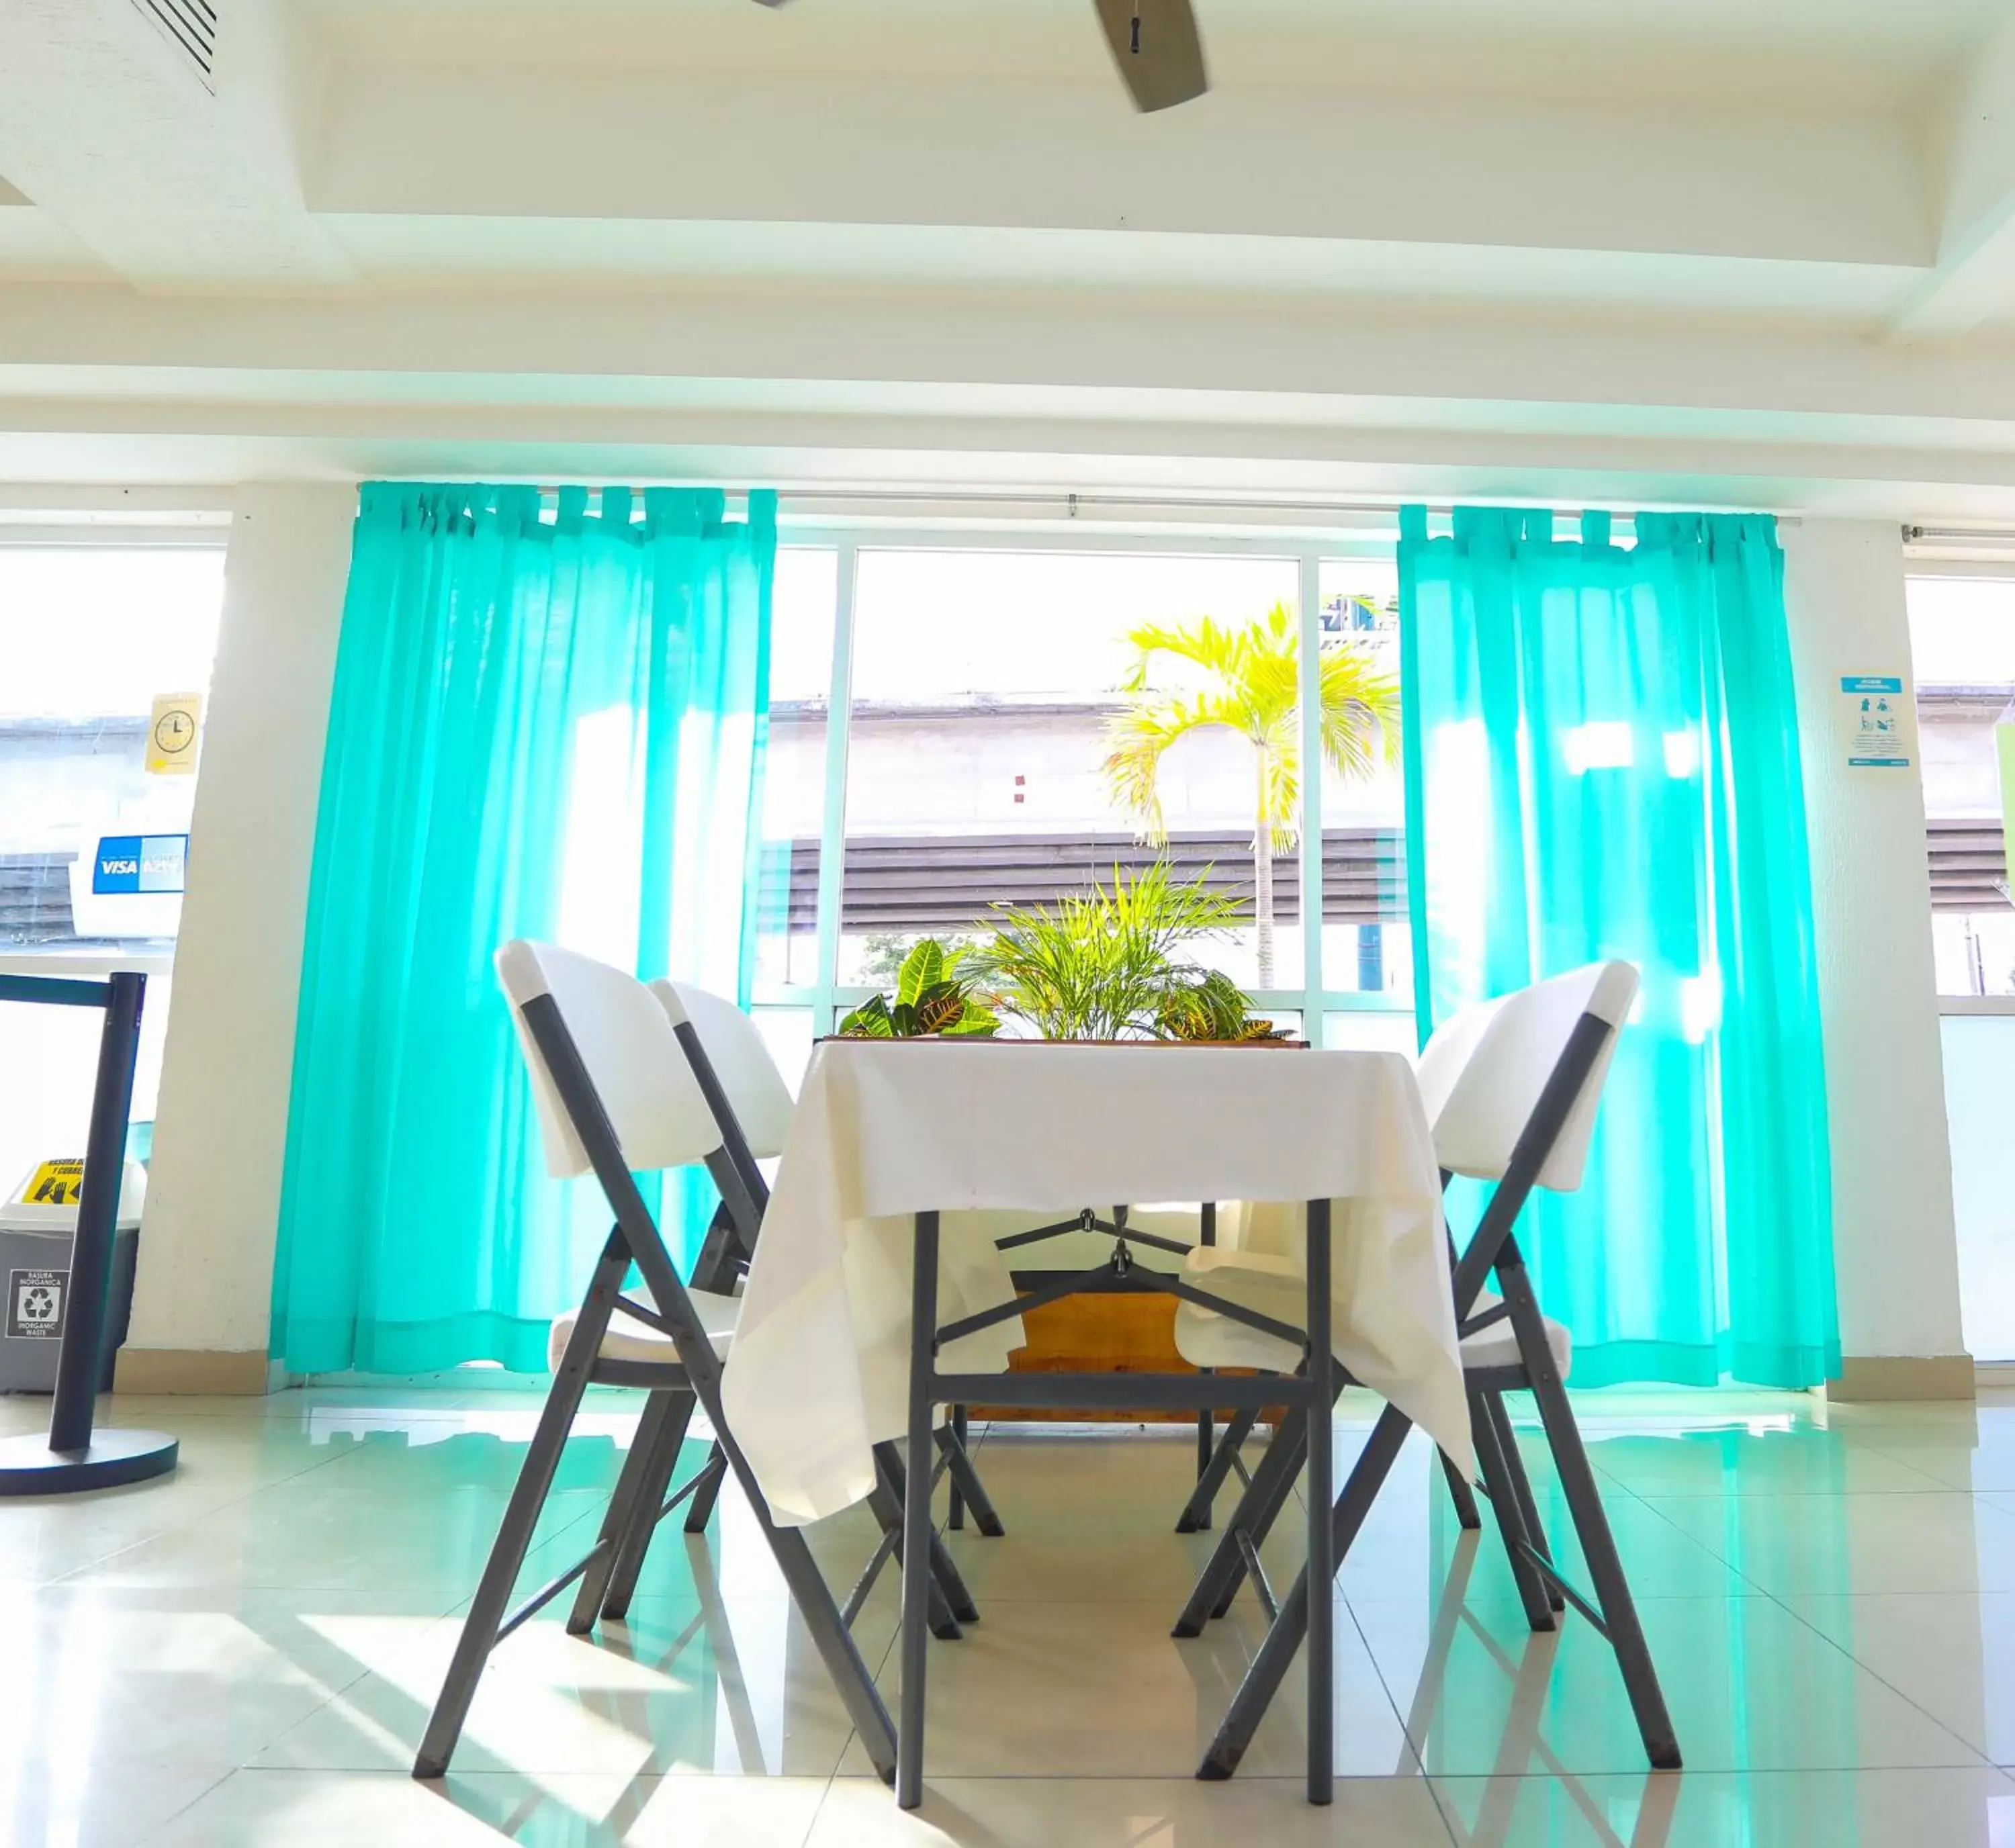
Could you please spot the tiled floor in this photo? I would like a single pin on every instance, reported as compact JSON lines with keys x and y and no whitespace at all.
{"x":246,"y":1653}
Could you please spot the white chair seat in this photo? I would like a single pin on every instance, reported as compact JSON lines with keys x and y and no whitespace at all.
{"x":1274,"y":1286}
{"x":1497,"y":1347}
{"x":632,"y":1340}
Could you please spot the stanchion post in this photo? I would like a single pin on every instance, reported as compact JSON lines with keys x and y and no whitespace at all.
{"x":80,"y":1362}
{"x":72,"y":1457}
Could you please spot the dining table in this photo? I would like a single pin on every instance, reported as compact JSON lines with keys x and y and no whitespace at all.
{"x":878,"y":1292}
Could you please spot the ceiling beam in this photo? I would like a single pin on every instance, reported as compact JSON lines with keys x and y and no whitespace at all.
{"x":1315,"y":363}
{"x":1975,"y":280}
{"x":105,"y":125}
{"x":1770,"y":185}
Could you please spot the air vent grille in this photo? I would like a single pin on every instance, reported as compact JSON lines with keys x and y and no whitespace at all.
{"x":190,"y":26}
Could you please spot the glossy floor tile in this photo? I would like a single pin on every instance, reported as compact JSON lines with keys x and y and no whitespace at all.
{"x":247,"y":1653}
{"x":1131,"y":1813}
{"x":1951,"y":1809}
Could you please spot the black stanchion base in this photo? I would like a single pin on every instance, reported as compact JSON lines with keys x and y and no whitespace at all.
{"x":29,"y":1467}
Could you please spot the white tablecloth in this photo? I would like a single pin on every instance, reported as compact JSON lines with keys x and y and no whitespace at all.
{"x":819,"y":1370}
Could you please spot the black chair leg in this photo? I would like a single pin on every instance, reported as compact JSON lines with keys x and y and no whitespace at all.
{"x":1206,"y":1452}
{"x":945,"y":1573}
{"x":632,"y":1485}
{"x":628,"y":1566}
{"x":955,"y":1515}
{"x":1195,"y":1517}
{"x":1461,"y":1494}
{"x":699,"y":1511}
{"x":1269,"y":1511}
{"x":967,"y":1491}
{"x":885,"y":1501}
{"x":1510,"y":1521}
{"x":487,"y":1609}
{"x":1584,"y":1500}
{"x":1272,"y":1483}
{"x":1269,"y":1665}
{"x":1521,"y":1487}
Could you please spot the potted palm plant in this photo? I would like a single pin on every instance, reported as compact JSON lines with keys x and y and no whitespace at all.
{"x":1114,"y":962}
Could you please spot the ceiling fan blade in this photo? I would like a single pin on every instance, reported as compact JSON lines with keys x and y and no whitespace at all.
{"x":1161,"y":61}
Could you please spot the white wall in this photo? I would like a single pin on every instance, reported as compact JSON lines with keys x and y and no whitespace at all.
{"x":1894,"y":1240}
{"x":206,"y":1243}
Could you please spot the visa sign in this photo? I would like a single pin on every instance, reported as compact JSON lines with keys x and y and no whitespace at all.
{"x":141,"y":863}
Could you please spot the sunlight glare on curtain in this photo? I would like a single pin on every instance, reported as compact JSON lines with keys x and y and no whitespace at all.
{"x":1602,"y":750}
{"x":544,"y":723}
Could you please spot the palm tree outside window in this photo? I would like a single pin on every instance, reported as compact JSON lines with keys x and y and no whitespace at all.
{"x":1247,"y":680}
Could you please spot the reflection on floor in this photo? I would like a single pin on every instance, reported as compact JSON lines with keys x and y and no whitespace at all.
{"x":245,"y":1654}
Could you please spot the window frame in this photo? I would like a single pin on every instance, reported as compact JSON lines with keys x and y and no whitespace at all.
{"x":826,"y":997}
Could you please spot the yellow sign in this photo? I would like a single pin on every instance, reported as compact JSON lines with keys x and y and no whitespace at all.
{"x":171,"y":735}
{"x":56,"y":1184}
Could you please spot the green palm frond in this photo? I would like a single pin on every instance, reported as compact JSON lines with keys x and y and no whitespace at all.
{"x":1140,"y":735}
{"x":1252,"y":676}
{"x":1360,"y":711}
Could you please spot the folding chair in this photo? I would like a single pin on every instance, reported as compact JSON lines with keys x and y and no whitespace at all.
{"x":1511,"y":1089}
{"x":614,"y":1095}
{"x":752,"y":1108}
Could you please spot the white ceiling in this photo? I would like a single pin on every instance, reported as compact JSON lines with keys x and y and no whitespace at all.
{"x":1729,"y":248}
{"x":1863,"y":49}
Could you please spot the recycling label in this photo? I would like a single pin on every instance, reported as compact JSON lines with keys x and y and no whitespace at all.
{"x":35,"y":1304}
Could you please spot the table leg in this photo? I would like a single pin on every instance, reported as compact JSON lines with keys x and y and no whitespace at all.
{"x":1322,"y":1533}
{"x":1196,"y":1516}
{"x":917,"y":1514}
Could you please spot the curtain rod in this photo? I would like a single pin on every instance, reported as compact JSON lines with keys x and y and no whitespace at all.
{"x":1069,"y":504}
{"x":1958,"y":535}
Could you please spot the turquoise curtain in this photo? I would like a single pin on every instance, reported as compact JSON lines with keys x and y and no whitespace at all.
{"x":1603,"y":761}
{"x":545,"y":723}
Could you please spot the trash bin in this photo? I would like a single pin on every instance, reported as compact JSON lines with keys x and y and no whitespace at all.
{"x":36,"y":1233}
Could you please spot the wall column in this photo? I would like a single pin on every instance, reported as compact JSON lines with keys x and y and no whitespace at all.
{"x":1894,"y":1247}
{"x":202,"y":1301}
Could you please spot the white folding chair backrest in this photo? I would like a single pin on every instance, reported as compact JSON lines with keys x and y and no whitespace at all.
{"x":1481,"y":1074}
{"x":750,"y":1080}
{"x":632,"y":1056}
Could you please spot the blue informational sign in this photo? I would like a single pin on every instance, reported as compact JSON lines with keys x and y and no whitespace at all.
{"x":141,"y":863}
{"x":1877,"y":722}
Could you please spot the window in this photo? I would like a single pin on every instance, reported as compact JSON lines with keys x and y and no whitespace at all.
{"x":1963,"y":647}
{"x":1022,"y":717}
{"x":1366,"y":946}
{"x":794,"y":771}
{"x":994,"y":741}
{"x":1963,"y":643}
{"x":89,"y":639}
